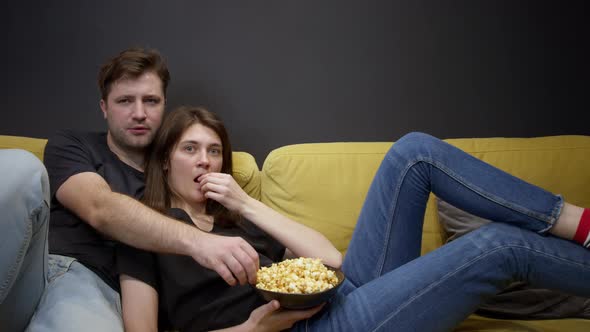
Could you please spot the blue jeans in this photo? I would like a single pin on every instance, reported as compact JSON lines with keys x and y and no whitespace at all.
{"x":24,"y":214}
{"x":76,"y":299}
{"x":390,"y":288}
{"x":41,"y":292}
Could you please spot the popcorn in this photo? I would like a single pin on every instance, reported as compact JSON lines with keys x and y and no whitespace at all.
{"x":296,"y":276}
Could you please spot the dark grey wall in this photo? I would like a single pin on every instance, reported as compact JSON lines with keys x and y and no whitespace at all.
{"x":284,"y":72}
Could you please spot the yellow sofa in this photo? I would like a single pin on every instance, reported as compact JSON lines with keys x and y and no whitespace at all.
{"x":323,"y":185}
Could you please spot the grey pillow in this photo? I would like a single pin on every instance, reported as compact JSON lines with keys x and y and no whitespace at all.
{"x":457,"y":222}
{"x":518,"y":301}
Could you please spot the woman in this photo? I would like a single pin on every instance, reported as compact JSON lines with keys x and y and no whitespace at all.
{"x":387,"y":287}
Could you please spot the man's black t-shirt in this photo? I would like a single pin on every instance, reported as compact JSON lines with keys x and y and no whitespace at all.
{"x":69,"y":153}
{"x":192,"y":297}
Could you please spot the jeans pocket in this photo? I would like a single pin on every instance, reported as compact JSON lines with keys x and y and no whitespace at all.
{"x":58,"y":265}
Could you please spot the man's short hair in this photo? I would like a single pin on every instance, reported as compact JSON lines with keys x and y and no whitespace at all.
{"x":132,"y":63}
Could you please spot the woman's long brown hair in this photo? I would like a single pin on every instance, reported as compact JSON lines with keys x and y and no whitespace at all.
{"x":158,"y":193}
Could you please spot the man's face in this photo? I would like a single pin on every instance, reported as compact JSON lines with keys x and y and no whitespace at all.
{"x":134,"y":110}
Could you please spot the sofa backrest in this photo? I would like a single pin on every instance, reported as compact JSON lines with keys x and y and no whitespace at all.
{"x":323,"y":185}
{"x":246,"y":171}
{"x":34,"y":145}
{"x":560,"y":164}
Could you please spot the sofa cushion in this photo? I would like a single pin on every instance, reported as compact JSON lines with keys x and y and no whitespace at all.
{"x":477,"y":323}
{"x":246,"y":173}
{"x":323,"y":185}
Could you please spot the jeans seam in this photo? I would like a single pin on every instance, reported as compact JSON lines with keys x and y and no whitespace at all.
{"x":393,"y":209}
{"x":20,"y":255}
{"x":549,"y":220}
{"x":63,"y":271}
{"x":555,"y":213}
{"x":460,"y":268}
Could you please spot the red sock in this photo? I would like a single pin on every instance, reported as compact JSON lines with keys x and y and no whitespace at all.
{"x":583,"y":229}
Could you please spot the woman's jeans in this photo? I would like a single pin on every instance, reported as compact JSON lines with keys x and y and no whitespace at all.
{"x":38,"y":291}
{"x":390,"y":288}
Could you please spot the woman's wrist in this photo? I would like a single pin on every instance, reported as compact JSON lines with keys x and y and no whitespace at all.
{"x":248,"y":208}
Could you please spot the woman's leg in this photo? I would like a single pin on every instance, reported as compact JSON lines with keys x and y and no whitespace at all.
{"x":389,"y":230}
{"x":439,"y":290}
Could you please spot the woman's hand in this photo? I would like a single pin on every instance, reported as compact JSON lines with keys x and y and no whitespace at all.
{"x":269,"y":318}
{"x":222,"y":188}
{"x":301,"y":240}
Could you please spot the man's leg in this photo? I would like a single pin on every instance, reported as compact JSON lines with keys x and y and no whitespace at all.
{"x":76,"y":299}
{"x":24,"y":218}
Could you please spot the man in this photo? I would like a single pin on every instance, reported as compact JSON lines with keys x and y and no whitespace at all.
{"x":95,"y":181}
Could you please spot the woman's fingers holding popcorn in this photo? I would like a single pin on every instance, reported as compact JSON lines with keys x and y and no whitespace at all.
{"x":224,"y":189}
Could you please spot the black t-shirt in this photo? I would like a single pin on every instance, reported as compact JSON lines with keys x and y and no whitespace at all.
{"x":192,"y":297}
{"x":69,"y":153}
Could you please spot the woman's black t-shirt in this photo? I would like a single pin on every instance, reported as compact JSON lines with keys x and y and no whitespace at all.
{"x":192,"y":297}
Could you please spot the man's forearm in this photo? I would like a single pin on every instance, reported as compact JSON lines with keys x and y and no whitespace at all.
{"x":129,"y":221}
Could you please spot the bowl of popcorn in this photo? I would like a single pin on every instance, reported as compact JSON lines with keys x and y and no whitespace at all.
{"x":298,"y":283}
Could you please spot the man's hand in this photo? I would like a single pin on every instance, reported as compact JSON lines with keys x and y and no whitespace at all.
{"x":269,"y":318}
{"x":231,"y":257}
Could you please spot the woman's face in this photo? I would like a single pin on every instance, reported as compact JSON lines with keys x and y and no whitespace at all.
{"x":198,"y":151}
